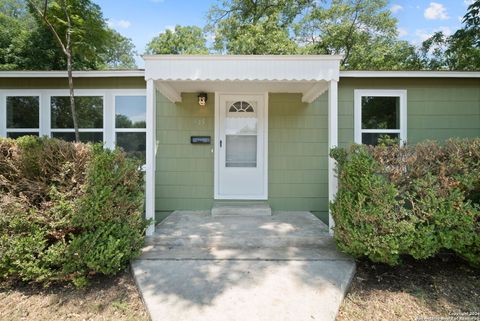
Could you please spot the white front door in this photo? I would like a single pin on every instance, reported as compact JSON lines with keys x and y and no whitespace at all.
{"x":241,"y":147}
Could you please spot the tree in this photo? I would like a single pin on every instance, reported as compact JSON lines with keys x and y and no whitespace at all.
{"x":73,"y":23}
{"x":83,"y":37}
{"x":26,"y":43}
{"x":15,"y":26}
{"x":117,"y":53}
{"x":363,"y":31}
{"x":181,"y":41}
{"x":460,"y":51}
{"x":472,"y":17}
{"x":14,"y":8}
{"x":255,"y":26}
{"x":110,"y":50}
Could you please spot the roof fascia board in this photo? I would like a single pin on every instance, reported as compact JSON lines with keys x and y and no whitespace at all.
{"x":242,"y":57}
{"x":409,"y":74}
{"x":76,"y":74}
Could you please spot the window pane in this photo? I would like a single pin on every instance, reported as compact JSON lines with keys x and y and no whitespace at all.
{"x":375,"y":138}
{"x":18,"y":135}
{"x":241,"y":151}
{"x":130,"y":111}
{"x":96,"y":137}
{"x":23,"y":112}
{"x":89,"y":112}
{"x":134,"y":144}
{"x":380,"y":112}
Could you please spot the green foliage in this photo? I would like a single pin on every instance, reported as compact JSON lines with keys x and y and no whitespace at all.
{"x":186,"y":40}
{"x":118,"y":52}
{"x":27,"y":44}
{"x":255,"y":27}
{"x":15,"y":26}
{"x":460,"y":51}
{"x":264,"y":37}
{"x":472,"y":17}
{"x":363,"y":31}
{"x":415,"y":200}
{"x":68,"y":210}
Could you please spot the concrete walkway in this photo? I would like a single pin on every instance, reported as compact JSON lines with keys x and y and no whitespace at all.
{"x":282,"y":267}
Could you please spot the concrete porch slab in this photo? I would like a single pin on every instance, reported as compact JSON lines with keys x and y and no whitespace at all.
{"x":199,"y":267}
{"x":199,"y":228}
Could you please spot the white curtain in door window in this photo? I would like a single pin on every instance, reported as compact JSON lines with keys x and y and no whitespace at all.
{"x":241,"y":151}
{"x":241,"y":139}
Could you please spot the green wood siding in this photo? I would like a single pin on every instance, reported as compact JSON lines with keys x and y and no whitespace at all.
{"x":298,"y":149}
{"x":438,"y":109}
{"x":79,"y":83}
{"x":298,"y":177}
{"x":184,"y":172}
{"x":298,"y":139}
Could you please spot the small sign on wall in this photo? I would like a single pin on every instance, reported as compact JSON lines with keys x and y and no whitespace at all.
{"x":200,"y":140}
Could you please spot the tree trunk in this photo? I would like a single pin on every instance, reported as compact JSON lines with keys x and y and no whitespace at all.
{"x":72,"y":95}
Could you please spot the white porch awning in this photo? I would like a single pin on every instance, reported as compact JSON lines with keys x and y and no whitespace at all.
{"x":308,"y":75}
{"x":171,"y":75}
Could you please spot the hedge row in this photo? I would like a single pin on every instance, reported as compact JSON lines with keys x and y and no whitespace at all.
{"x":415,"y":200}
{"x":68,"y":211}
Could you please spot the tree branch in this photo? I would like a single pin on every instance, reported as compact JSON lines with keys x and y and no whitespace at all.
{"x":348,"y":40}
{"x":43,"y":16}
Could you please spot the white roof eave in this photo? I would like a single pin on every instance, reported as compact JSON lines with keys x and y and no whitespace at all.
{"x":242,"y":68}
{"x":76,"y":74}
{"x":409,"y":74}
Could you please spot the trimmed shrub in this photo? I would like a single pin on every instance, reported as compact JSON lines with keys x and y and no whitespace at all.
{"x":67,"y":211}
{"x":415,"y":200}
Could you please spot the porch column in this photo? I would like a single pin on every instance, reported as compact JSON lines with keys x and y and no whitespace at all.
{"x":150,"y":161}
{"x":332,"y":142}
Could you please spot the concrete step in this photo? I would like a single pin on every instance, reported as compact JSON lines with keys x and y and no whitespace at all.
{"x":303,"y":253}
{"x":241,"y":208}
{"x":239,"y":240}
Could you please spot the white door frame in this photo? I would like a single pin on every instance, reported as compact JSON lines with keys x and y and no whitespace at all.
{"x":216,"y":150}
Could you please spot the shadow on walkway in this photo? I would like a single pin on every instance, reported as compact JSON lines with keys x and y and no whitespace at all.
{"x":283,"y":267}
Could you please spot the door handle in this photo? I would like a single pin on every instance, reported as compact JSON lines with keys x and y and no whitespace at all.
{"x":220,"y":143}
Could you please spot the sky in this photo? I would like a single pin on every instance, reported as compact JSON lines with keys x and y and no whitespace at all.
{"x":141,"y":20}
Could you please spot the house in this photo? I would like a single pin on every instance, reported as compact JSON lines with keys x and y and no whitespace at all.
{"x":244,"y":128}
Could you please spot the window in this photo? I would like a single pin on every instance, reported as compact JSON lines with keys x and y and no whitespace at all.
{"x":130,"y":125}
{"x":241,"y":135}
{"x":241,"y":107}
{"x":23,"y":116}
{"x":380,"y":113}
{"x":112,"y":116}
{"x":90,"y":118}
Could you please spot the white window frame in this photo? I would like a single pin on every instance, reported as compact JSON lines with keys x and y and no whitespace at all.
{"x":78,"y":93}
{"x":400,"y":93}
{"x":4,"y":130}
{"x":45,"y":123}
{"x":116,"y":130}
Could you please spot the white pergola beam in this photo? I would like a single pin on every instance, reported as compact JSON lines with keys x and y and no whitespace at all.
{"x":332,"y":143}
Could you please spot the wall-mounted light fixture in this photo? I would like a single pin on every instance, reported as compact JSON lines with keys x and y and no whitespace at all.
{"x":202,"y":99}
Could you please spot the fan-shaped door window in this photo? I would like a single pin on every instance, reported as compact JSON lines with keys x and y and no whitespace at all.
{"x":241,"y":107}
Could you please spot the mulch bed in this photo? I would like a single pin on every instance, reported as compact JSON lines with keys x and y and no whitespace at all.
{"x":442,"y":288}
